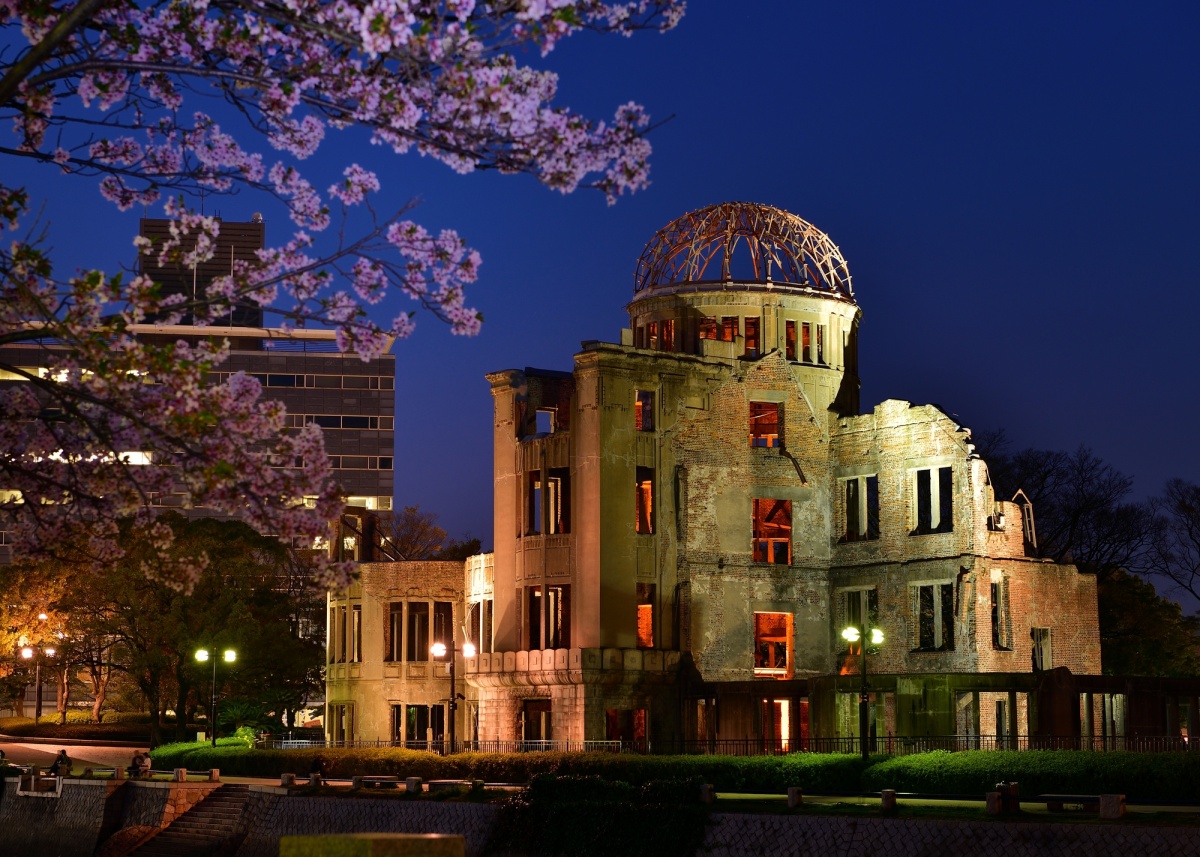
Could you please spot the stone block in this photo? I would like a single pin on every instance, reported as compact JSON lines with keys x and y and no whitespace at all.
{"x":179,"y":775}
{"x":214,"y":776}
{"x":611,"y":659}
{"x":707,"y":793}
{"x":652,"y":660}
{"x":887,"y":800}
{"x":631,"y":659}
{"x":795,"y":796}
{"x":412,"y":785}
{"x":522,"y":661}
{"x":287,"y":780}
{"x":374,"y":845}
{"x":1112,"y":806}
{"x":535,"y":660}
{"x":561,"y":658}
{"x":510,"y":662}
{"x":994,"y":804}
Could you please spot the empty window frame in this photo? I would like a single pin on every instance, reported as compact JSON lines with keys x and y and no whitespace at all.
{"x":652,"y":335}
{"x":556,"y":499}
{"x":545,"y":420}
{"x":933,"y":606}
{"x":812,"y":343}
{"x":644,"y":500}
{"x":708,"y":327}
{"x":862,"y":508}
{"x":356,"y":634}
{"x":645,"y":615}
{"x":479,"y":625}
{"x":1040,"y":638}
{"x":860,"y":607}
{"x":766,"y":424}
{"x":932,"y":492}
{"x":667,"y":326}
{"x":752,"y":340}
{"x":789,"y":340}
{"x":417,"y":632}
{"x":443,"y":623}
{"x":643,"y":411}
{"x":534,"y":500}
{"x":729,"y":328}
{"x":773,"y":644}
{"x":558,"y":617}
{"x":393,"y":645}
{"x":772,"y":531}
{"x":1001,"y":625}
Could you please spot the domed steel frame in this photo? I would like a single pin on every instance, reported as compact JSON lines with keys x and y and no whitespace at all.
{"x":783,"y":248}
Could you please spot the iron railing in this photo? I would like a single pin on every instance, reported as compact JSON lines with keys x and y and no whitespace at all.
{"x":890,"y":745}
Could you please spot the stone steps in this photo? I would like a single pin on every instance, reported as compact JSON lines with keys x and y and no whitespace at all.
{"x":205,"y":830}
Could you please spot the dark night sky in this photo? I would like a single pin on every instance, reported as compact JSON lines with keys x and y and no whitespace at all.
{"x":1015,"y":186}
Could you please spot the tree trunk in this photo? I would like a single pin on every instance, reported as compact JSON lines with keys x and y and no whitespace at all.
{"x":99,"y":674}
{"x":63,"y":676}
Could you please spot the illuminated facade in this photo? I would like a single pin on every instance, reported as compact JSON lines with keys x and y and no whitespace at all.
{"x":685,"y":522}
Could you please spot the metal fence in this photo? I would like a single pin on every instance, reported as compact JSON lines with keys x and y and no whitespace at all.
{"x":890,"y":745}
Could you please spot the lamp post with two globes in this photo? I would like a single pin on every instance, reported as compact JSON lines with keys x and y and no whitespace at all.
{"x":35,"y":654}
{"x":857,"y":635}
{"x":439,"y":650}
{"x":203,"y":655}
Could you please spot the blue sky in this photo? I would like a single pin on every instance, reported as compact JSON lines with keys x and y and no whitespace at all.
{"x":1015,"y":187}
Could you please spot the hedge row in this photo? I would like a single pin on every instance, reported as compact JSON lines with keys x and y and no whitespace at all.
{"x":1161,"y":776}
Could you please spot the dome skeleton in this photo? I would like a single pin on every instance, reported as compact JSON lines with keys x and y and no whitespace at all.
{"x":783,"y":248}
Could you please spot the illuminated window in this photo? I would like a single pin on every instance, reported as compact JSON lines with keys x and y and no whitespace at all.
{"x":645,"y":615}
{"x":708,"y":327}
{"x":652,"y":335}
{"x":644,"y":492}
{"x":933,"y":605}
{"x":773,"y":644}
{"x":812,"y":343}
{"x":479,"y":625}
{"x":668,"y":334}
{"x":729,"y":328}
{"x":751,"y":337}
{"x":789,"y":341}
{"x":772,"y":531}
{"x":862,"y":508}
{"x":356,"y":634}
{"x":766,"y":420}
{"x":932,"y":505}
{"x":643,"y":411}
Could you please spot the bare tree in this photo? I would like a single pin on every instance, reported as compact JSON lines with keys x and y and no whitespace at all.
{"x":412,"y":534}
{"x":1176,"y":553}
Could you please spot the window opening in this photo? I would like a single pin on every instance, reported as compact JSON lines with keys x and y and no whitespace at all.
{"x":643,"y":411}
{"x":558,"y":500}
{"x":806,"y":343}
{"x":935,"y":617}
{"x":644,"y":492}
{"x":789,"y":340}
{"x":545,"y":421}
{"x":766,"y":419}
{"x":534,"y":615}
{"x":652,"y":335}
{"x":1001,"y":638}
{"x":645,"y":615}
{"x":356,"y":634}
{"x":820,"y":334}
{"x":425,"y":723}
{"x":933,"y":491}
{"x":729,"y":328}
{"x":394,"y":644}
{"x":862,"y":508}
{"x":533,"y":511}
{"x":772,"y":531}
{"x":773,"y":644}
{"x":708,"y":327}
{"x":625,"y":724}
{"x":861,"y":607}
{"x":536,"y":720}
{"x":668,"y":334}
{"x":558,"y":617}
{"x":443,"y":623}
{"x":1041,"y":648}
{"x":417,"y":637}
{"x":751,"y":337}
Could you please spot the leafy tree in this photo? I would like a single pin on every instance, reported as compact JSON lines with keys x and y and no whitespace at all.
{"x":157,"y":101}
{"x":1142,"y":633}
{"x":464,"y":549}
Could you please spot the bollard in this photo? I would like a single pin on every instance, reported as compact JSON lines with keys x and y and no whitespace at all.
{"x":887,"y":800}
{"x":118,"y":773}
{"x":795,"y":796}
{"x":179,"y":775}
{"x":314,"y":779}
{"x":994,"y":806}
{"x":287,"y":780}
{"x":412,"y":785}
{"x":707,"y":795}
{"x":355,"y":784}
{"x":214,"y":776}
{"x":1112,"y":806}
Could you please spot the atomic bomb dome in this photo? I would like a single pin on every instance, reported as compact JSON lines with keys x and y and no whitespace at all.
{"x":744,"y":242}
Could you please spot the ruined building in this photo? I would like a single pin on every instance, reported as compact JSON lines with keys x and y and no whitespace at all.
{"x":686,"y":521}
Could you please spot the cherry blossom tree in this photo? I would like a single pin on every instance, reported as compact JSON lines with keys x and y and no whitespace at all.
{"x":158,"y":102}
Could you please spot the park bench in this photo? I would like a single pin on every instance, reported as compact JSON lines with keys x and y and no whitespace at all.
{"x":375,"y":782}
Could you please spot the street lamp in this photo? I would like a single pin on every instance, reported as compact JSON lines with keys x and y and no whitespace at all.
{"x":439,"y":650}
{"x":854,"y":635}
{"x":35,"y":654}
{"x":202,"y":655}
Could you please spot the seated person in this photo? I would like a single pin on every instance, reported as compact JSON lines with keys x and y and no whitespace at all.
{"x":61,"y":766}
